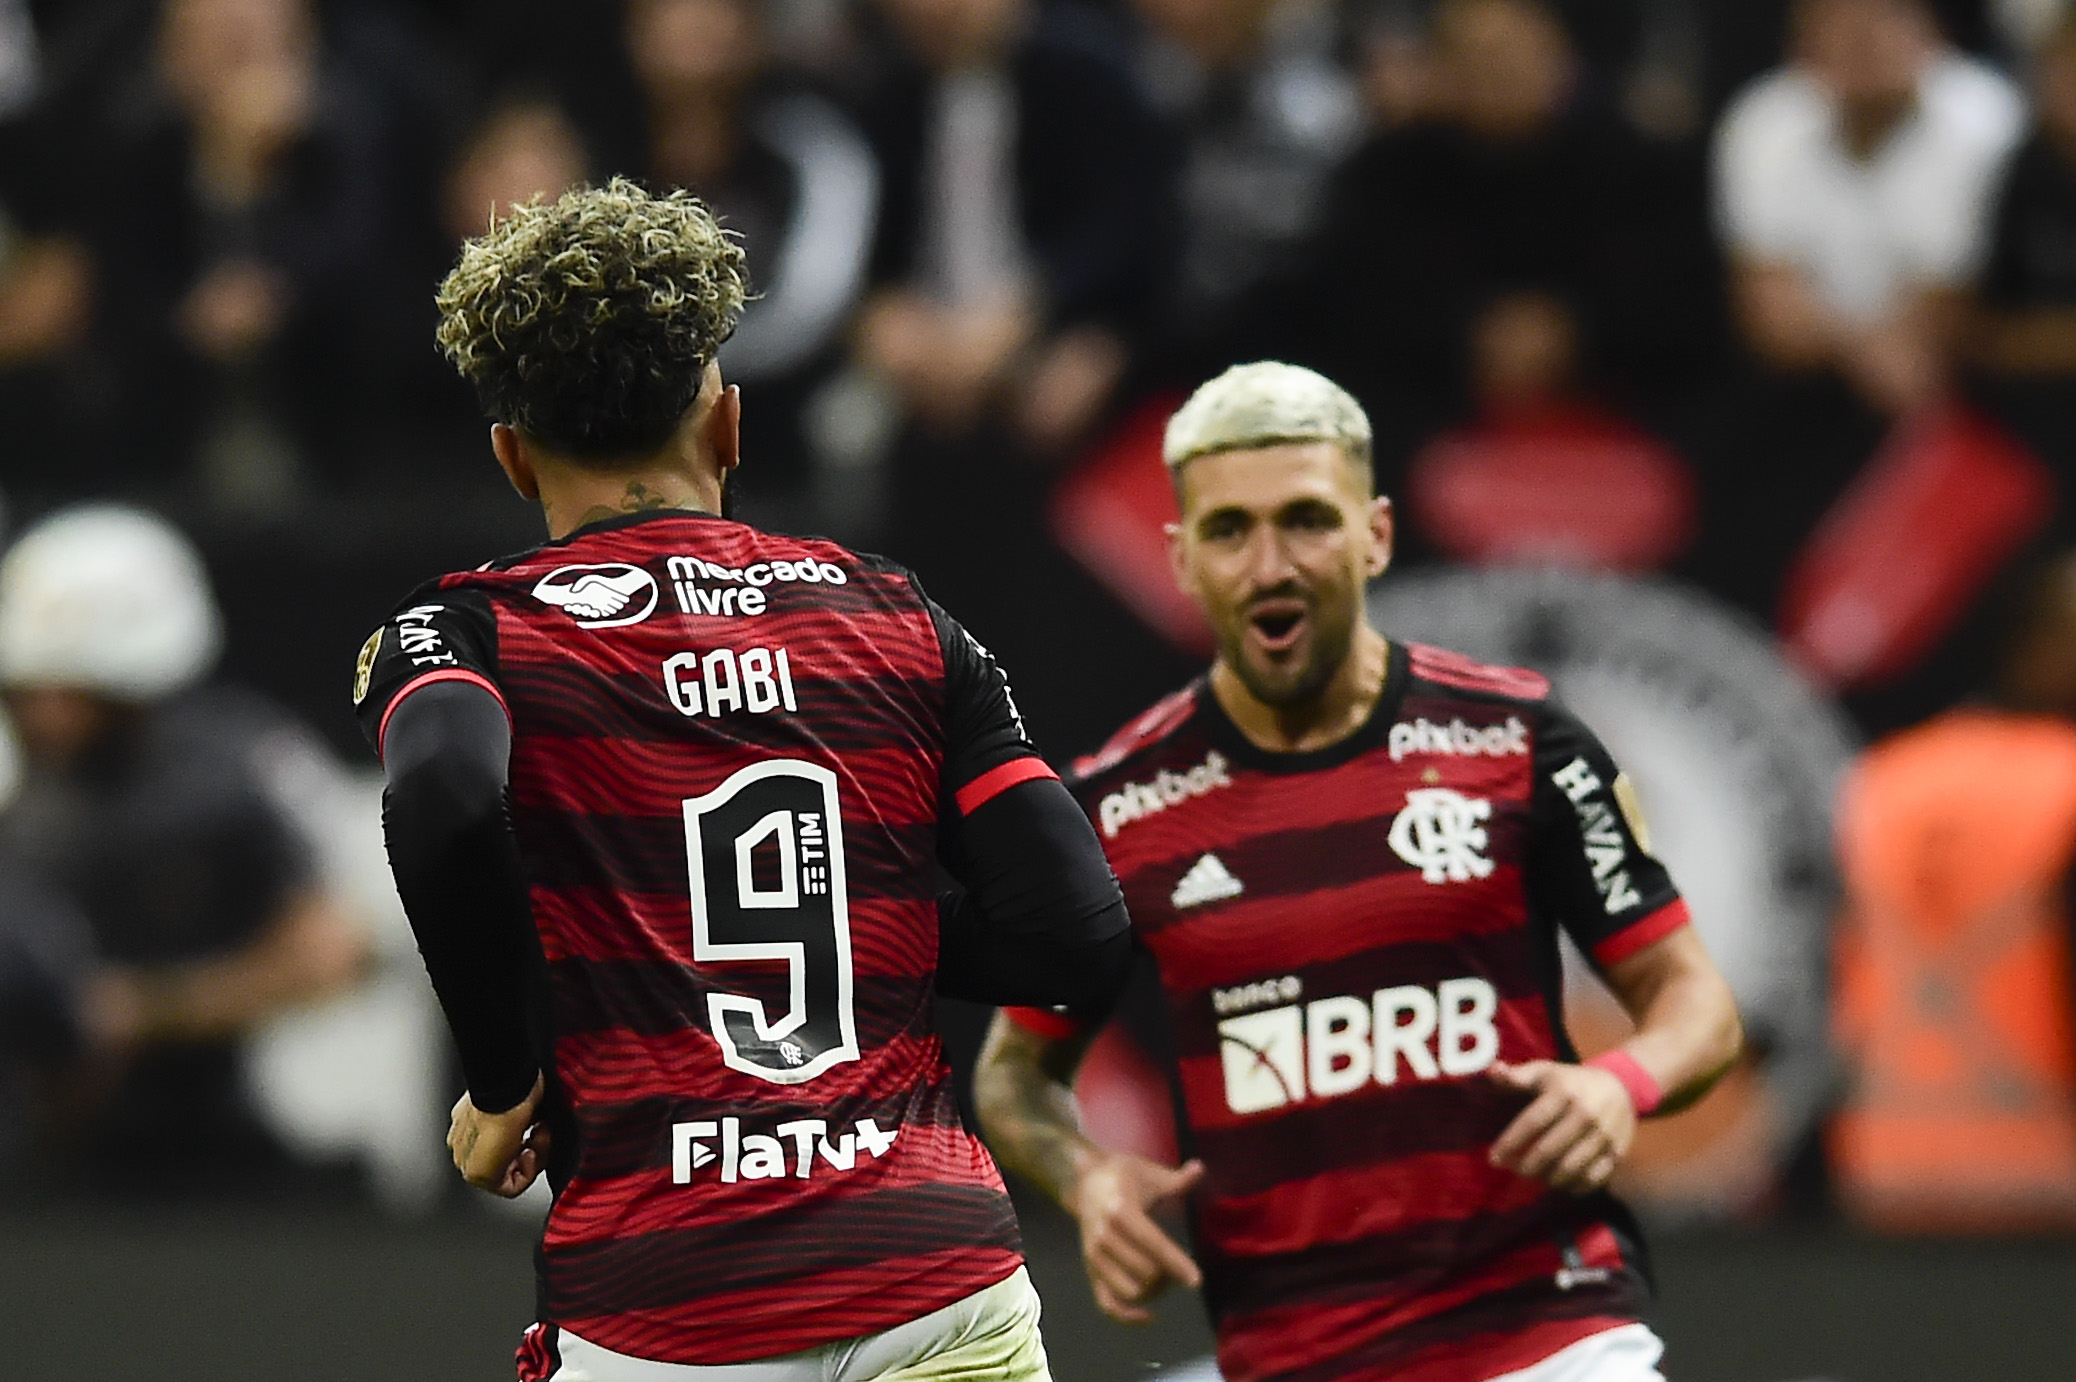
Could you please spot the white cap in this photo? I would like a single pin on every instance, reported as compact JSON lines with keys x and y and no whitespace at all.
{"x":107,"y":599}
{"x":1264,"y":404}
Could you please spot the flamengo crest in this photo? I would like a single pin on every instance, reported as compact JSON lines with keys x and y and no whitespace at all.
{"x":1439,"y":834}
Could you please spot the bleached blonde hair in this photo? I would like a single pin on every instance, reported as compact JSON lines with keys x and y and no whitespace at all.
{"x":1266,"y":403}
{"x":589,"y":321}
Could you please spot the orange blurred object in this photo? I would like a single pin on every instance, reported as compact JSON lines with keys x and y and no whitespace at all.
{"x":1954,"y":981}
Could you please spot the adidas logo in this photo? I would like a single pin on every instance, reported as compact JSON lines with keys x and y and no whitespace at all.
{"x":1207,"y":881}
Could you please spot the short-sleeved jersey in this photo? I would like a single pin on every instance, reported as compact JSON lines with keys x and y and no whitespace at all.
{"x":1346,"y":941}
{"x":731,"y":754}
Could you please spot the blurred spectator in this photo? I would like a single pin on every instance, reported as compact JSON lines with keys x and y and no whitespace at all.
{"x":46,"y":306}
{"x":523,"y":148}
{"x":245,"y":244}
{"x":1017,"y":242}
{"x":1264,"y":114}
{"x":1016,"y":258}
{"x":147,"y":806}
{"x":1954,"y":980}
{"x":791,"y":174}
{"x":2025,"y":324}
{"x":1514,"y":249}
{"x":1853,"y":188}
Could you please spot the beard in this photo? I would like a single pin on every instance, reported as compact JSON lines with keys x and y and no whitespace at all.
{"x":1293,"y":684}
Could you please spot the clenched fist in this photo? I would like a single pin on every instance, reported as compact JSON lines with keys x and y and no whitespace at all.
{"x":499,"y":1152}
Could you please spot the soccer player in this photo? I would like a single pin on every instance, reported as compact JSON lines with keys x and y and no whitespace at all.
{"x":666,"y":797}
{"x":1350,"y":859}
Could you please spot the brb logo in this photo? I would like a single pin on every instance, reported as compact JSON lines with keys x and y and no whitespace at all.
{"x":1439,"y":833}
{"x":1335,"y":1046}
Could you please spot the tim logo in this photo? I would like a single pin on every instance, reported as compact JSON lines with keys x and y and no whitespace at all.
{"x":1441,"y":834}
{"x":600,"y":597}
{"x":1335,"y":1046}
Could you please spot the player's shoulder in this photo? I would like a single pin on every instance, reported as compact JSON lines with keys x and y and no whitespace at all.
{"x":1142,"y":735}
{"x":1439,"y":671}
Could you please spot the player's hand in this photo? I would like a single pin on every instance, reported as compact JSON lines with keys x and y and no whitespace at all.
{"x":1130,"y":1260}
{"x":499,"y":1152}
{"x":1576,"y":1129}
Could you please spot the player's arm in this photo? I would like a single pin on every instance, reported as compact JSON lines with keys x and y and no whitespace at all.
{"x":445,"y":739}
{"x":310,"y":948}
{"x":1591,"y":867}
{"x":1023,"y":1091}
{"x":1038,"y":917}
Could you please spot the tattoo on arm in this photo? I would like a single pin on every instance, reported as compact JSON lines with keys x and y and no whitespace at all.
{"x":1023,"y":1091}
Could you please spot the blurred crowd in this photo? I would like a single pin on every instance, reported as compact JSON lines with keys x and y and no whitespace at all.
{"x":1712,"y":256}
{"x":1773,"y":297}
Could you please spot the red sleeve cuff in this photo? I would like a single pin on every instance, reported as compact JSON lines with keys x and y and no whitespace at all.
{"x":1642,"y":933}
{"x":1045,"y":1022}
{"x":995,"y":781}
{"x":444,"y":674}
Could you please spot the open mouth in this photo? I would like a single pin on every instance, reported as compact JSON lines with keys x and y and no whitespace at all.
{"x":1277,"y":624}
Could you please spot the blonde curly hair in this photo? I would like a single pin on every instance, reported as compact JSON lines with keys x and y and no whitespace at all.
{"x":588,"y":322}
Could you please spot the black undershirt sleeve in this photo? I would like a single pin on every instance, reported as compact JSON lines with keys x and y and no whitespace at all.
{"x":447,"y":820}
{"x":1037,"y":919}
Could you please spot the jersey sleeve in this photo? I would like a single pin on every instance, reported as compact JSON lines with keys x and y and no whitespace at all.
{"x":986,"y":748}
{"x":435,"y":636}
{"x":1054,"y":1024}
{"x":1590,"y":862}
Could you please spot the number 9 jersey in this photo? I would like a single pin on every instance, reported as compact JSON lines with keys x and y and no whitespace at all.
{"x":731,"y":754}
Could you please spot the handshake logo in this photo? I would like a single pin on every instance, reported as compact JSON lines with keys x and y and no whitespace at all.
{"x":600,"y":597}
{"x":762,"y":1156}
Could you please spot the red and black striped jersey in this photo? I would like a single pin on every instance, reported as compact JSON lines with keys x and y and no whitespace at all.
{"x":731,"y":754}
{"x":1346,"y":941}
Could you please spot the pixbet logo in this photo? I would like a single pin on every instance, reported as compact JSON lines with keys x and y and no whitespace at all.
{"x":1137,"y":800}
{"x":1335,"y":1046}
{"x":762,"y":1156}
{"x":1458,"y":739}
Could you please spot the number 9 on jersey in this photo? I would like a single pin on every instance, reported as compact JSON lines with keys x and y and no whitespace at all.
{"x":765,"y":851}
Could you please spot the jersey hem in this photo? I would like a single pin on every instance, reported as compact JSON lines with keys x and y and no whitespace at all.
{"x":600,"y":1328}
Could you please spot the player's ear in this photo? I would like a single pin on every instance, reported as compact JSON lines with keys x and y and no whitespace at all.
{"x":1178,"y":558}
{"x":1382,"y":531}
{"x":505,"y":444}
{"x":724,"y":429}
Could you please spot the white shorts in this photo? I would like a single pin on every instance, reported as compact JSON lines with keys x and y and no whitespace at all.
{"x":1626,"y":1353}
{"x":990,"y":1336}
